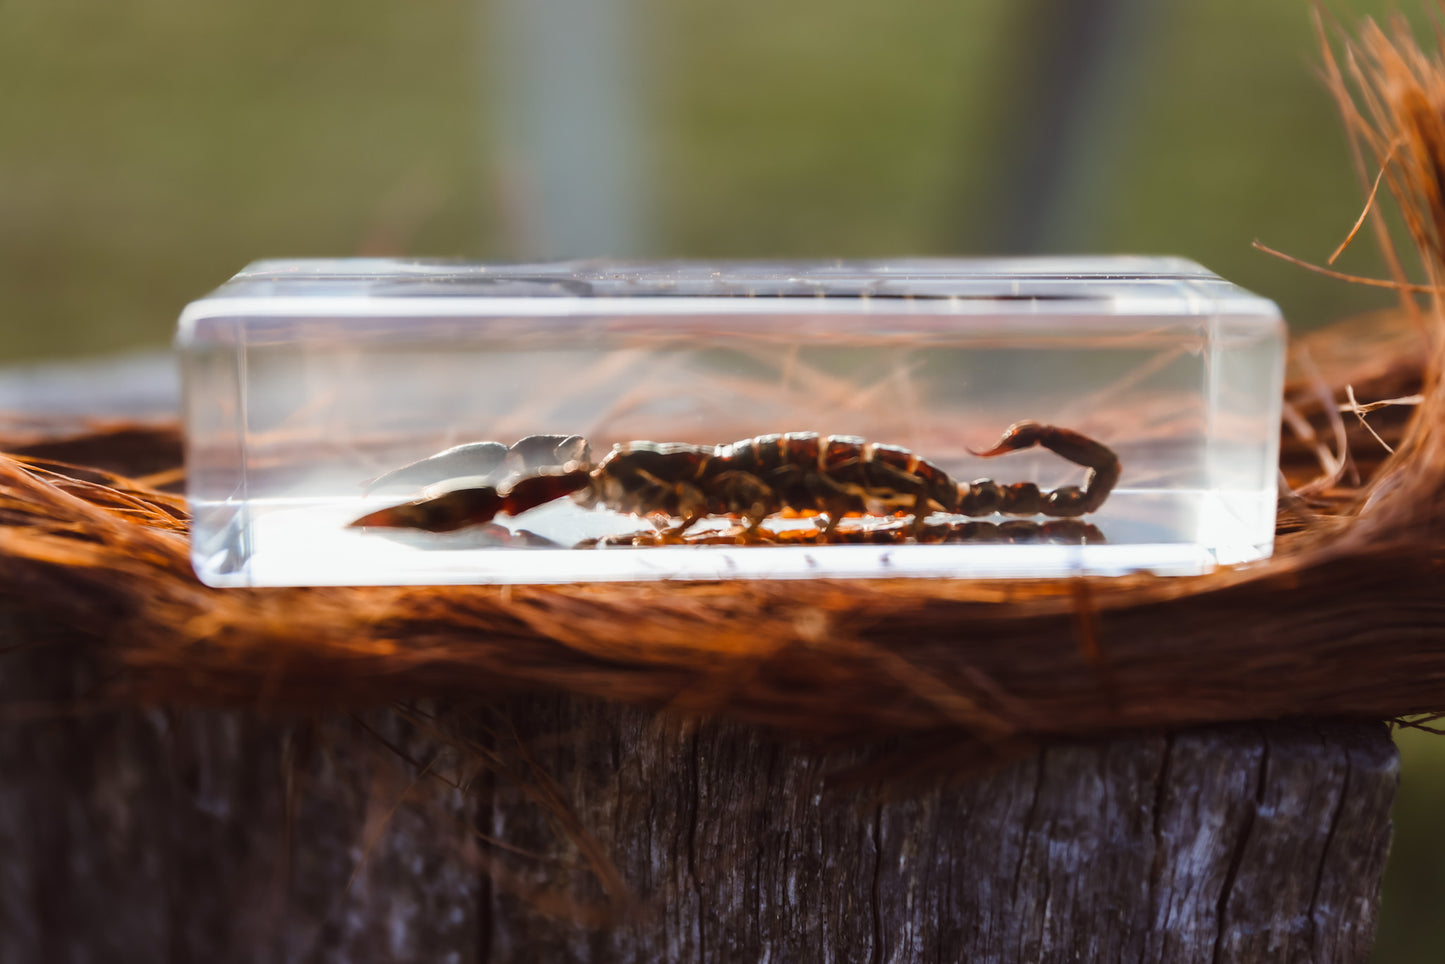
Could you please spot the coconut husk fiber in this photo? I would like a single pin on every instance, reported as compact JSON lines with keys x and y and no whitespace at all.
{"x":1347,"y":619}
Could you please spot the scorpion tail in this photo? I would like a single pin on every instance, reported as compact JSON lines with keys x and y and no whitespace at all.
{"x":1099,"y":459}
{"x":459,"y":508}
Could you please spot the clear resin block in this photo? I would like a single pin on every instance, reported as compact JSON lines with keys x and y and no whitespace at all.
{"x":320,"y":393}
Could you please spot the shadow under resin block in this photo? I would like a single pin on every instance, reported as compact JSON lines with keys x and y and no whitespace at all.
{"x":398,"y":422}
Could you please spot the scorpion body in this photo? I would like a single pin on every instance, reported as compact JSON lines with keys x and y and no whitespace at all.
{"x":831,"y":476}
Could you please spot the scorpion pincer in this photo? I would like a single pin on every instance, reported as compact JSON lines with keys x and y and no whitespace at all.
{"x":831,"y":476}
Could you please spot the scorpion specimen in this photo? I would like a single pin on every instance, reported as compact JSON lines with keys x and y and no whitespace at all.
{"x":831,"y":476}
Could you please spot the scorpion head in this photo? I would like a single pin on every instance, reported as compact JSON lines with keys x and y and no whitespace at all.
{"x":643,"y":477}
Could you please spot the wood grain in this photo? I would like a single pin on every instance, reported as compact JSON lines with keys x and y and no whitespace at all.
{"x":561,"y":829}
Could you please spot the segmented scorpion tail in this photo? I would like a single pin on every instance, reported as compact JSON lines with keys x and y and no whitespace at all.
{"x":1024,"y":498}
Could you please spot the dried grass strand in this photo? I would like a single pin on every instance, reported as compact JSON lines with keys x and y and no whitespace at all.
{"x":1364,"y":212}
{"x":1354,"y":279}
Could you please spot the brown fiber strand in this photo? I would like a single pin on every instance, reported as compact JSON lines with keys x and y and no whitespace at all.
{"x":1347,"y":619}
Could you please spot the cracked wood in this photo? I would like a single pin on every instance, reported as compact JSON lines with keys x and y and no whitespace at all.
{"x":552,"y":828}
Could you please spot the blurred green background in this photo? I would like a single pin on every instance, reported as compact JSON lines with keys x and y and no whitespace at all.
{"x":150,"y":148}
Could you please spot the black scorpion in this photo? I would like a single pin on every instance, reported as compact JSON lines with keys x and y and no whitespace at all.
{"x":831,"y":476}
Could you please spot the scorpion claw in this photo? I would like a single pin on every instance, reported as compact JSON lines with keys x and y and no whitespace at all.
{"x":449,"y":511}
{"x":474,"y":505}
{"x":540,"y":452}
{"x":473,"y":458}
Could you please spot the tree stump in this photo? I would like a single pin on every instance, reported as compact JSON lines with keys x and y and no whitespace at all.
{"x":559,"y":829}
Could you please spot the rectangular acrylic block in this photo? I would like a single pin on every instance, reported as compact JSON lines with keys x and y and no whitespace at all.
{"x":318,"y":392}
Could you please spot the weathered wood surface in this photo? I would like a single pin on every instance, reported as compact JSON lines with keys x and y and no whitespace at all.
{"x":580,"y":831}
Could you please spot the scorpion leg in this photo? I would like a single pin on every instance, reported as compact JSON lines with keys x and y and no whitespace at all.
{"x":675,"y":533}
{"x":895,"y":489}
{"x":743,"y":493}
{"x":653,"y":496}
{"x":459,"y":508}
{"x":687,"y":503}
{"x":1068,"y":500}
{"x":833,"y":499}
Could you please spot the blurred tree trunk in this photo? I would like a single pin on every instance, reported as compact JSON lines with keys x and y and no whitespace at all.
{"x":1078,"y":71}
{"x":571,"y":127}
{"x":557,"y":829}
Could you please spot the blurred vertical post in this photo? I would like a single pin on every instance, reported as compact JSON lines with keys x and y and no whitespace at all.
{"x":571,"y":157}
{"x":1079,"y":75}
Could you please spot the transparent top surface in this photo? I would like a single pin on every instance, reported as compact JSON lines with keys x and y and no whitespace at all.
{"x":1083,"y":286}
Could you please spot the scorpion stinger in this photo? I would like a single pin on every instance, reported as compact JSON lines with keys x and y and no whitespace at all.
{"x":1024,"y":498}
